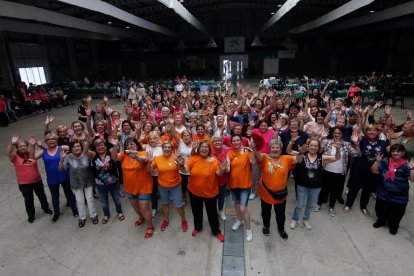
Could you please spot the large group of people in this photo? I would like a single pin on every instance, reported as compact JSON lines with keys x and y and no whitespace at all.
{"x":174,"y":145}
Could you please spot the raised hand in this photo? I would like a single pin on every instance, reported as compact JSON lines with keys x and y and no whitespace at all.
{"x":150,"y":156}
{"x":355,"y":137}
{"x":378,"y":157}
{"x":325,"y":132}
{"x":194,"y":144}
{"x":138,"y":125}
{"x":114,"y":142}
{"x":277,"y":125}
{"x":179,"y":158}
{"x":411,"y":164}
{"x":88,"y":112}
{"x":408,"y":114}
{"x":387,"y":110}
{"x":303,"y":148}
{"x":15,"y":139}
{"x":62,"y":153}
{"x":294,"y":137}
{"x":105,"y":98}
{"x":225,"y":164}
{"x":326,"y":98}
{"x":49,"y":119}
{"x":305,"y":77}
{"x":31,"y":140}
{"x":39,"y":143}
{"x":252,"y":144}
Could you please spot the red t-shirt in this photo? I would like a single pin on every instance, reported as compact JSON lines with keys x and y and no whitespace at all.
{"x":27,"y":171}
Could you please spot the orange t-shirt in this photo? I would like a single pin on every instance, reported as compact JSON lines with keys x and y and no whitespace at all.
{"x":240,"y":169}
{"x":166,"y":137}
{"x":168,"y":175}
{"x":137,"y":181}
{"x":203,"y":180}
{"x":275,"y":177}
{"x":197,"y":139}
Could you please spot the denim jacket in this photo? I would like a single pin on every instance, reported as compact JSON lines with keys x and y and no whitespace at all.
{"x":347,"y":150}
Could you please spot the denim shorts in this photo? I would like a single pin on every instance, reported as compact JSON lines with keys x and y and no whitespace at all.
{"x":241,"y":195}
{"x":140,"y":197}
{"x":173,"y":195}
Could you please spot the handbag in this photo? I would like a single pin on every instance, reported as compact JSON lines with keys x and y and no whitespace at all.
{"x":278,"y":195}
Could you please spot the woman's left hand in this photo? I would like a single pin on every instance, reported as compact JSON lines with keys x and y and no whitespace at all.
{"x":378,"y":157}
{"x":411,"y":164}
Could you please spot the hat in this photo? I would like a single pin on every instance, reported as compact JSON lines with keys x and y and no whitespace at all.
{"x":258,"y":140}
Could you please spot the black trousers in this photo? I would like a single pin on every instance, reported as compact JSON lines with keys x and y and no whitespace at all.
{"x":360,"y":178}
{"x":154,"y":195}
{"x":4,"y":119}
{"x":70,"y":197}
{"x":211,"y":209}
{"x":184,"y":184}
{"x":332,"y":187}
{"x":279,"y":212}
{"x":391,"y":212}
{"x":27,"y":192}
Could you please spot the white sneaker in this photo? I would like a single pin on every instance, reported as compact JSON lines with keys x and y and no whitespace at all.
{"x":252,"y":196}
{"x":307,"y":225}
{"x":237,"y":225}
{"x":316,"y":208}
{"x":332,"y":212}
{"x":153,"y":212}
{"x":249,"y":235}
{"x":223,"y":215}
{"x":293,"y":224}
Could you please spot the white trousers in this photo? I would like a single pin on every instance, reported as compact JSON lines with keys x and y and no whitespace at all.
{"x":80,"y":202}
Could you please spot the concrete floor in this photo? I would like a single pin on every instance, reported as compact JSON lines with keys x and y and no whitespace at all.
{"x":344,"y":245}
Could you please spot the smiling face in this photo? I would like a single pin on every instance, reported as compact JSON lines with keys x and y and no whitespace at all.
{"x":217,"y":143}
{"x":236,"y":142}
{"x":100,"y":127}
{"x":337,"y":135}
{"x":320,"y":118}
{"x":126,"y":127}
{"x":372,"y":133}
{"x":275,"y":151}
{"x":131,"y":145}
{"x":21,"y":147}
{"x":77,"y":149}
{"x":51,"y":142}
{"x":397,"y":154}
{"x":101,"y":148}
{"x":186,"y":137}
{"x":77,"y":128}
{"x":167,"y":149}
{"x":263,"y":127}
{"x":313,"y":147}
{"x":204,"y":149}
{"x":201,"y":131}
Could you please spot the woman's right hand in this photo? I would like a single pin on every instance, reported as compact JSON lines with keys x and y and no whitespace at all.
{"x":70,"y":132}
{"x":378,"y":157}
{"x":150,"y":156}
{"x":15,"y":139}
{"x":49,"y":119}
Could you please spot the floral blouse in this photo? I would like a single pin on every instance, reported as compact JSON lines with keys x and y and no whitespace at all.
{"x":105,"y":170}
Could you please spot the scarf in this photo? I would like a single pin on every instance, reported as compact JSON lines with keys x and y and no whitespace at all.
{"x":393,"y":167}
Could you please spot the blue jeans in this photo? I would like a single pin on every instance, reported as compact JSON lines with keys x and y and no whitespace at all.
{"x":113,"y":189}
{"x":241,"y":195}
{"x":70,"y":197}
{"x":310,"y":195}
{"x":222,"y":197}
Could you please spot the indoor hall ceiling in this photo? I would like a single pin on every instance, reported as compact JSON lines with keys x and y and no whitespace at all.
{"x":221,"y":17}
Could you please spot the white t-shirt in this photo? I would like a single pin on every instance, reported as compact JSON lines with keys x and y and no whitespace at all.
{"x":335,"y":167}
{"x":157,"y":151}
{"x":185,"y":151}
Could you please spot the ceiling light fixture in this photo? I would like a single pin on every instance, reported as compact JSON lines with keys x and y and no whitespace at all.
{"x":127,"y":27}
{"x":272,"y":13}
{"x":371,"y":11}
{"x":109,"y":23}
{"x":279,"y":5}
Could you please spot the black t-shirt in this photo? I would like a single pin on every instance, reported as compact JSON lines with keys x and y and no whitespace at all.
{"x":286,"y":137}
{"x":309,"y":174}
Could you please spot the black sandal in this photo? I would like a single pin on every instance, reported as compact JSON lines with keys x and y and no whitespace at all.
{"x":95,"y":220}
{"x":82,"y":223}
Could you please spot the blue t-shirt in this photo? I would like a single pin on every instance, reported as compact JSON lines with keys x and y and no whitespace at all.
{"x":368,"y":153}
{"x":54,"y":175}
{"x":394,"y":191}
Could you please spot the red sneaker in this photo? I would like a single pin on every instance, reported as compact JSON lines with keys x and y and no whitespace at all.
{"x":195,"y":233}
{"x":164,"y":224}
{"x":184,"y":225}
{"x":220,"y":237}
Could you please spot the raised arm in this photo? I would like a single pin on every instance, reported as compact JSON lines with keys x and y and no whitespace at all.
{"x":375,"y":166}
{"x":48,"y":120}
{"x":329,"y":159}
{"x":11,"y":146}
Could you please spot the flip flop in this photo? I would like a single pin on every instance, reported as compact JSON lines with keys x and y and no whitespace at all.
{"x":105,"y":220}
{"x":121,"y":217}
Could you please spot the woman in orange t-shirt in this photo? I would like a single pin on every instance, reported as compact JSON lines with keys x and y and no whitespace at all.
{"x":169,"y":183}
{"x":240,"y":181}
{"x":201,"y":134}
{"x":203,"y":187}
{"x":275,"y":172}
{"x":137,"y":180}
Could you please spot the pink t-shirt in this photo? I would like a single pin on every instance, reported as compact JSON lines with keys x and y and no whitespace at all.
{"x":27,"y":171}
{"x":221,"y":156}
{"x":267,"y":138}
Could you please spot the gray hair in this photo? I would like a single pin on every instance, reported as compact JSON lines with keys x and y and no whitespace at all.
{"x":165,"y":109}
{"x":217,"y":137}
{"x":276,"y":142}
